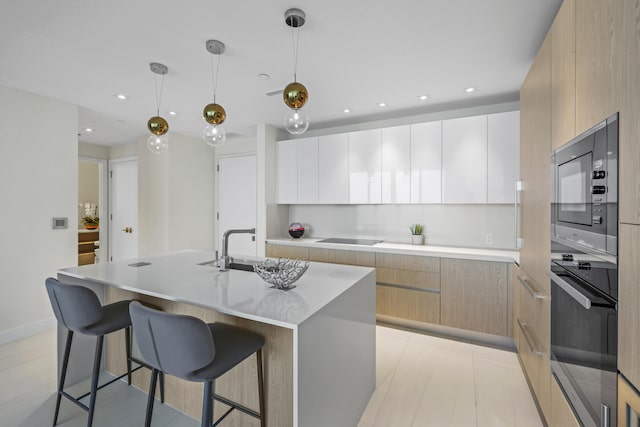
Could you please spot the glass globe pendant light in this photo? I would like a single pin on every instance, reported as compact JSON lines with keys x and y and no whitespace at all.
{"x":158,"y":142}
{"x":214,"y":114}
{"x":295,"y":94}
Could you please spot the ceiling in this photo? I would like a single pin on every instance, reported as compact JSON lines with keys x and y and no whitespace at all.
{"x":353,"y":54}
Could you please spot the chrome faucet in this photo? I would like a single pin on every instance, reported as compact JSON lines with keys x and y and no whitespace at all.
{"x":225,"y":242}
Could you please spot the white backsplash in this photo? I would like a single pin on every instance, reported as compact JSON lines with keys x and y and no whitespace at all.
{"x":445,"y":225}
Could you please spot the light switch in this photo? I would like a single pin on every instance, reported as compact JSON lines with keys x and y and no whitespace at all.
{"x":60,"y":223}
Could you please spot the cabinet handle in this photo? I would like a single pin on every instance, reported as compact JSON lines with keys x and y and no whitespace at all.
{"x":516,"y":213}
{"x":534,"y":294}
{"x":524,"y":328}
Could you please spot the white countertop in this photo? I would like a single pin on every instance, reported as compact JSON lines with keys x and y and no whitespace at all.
{"x":178,"y":277}
{"x":398,"y":248}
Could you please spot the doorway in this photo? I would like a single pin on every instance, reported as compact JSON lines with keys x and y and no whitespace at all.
{"x":92,"y":208}
{"x":123,"y":206}
{"x":237,"y":205}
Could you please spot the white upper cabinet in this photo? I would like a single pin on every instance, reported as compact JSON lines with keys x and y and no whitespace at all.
{"x":308,"y":170}
{"x":504,"y":156}
{"x":396,"y":164}
{"x":464,"y":160}
{"x":333,"y":169}
{"x":365,"y":167}
{"x":426,"y":162}
{"x":288,"y":172}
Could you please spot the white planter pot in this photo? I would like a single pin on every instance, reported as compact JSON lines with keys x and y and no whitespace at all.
{"x":417,"y":239}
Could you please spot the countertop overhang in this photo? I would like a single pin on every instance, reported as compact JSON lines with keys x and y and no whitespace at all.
{"x":477,"y":254}
{"x":177,"y":276}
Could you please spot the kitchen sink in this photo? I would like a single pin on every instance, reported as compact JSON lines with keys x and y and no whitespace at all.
{"x":365,"y":242}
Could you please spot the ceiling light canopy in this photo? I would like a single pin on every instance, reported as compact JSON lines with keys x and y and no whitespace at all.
{"x":214,"y":114}
{"x":295,"y":94}
{"x":158,"y":142}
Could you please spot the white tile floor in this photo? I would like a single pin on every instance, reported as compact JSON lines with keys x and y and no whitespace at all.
{"x":421,"y":381}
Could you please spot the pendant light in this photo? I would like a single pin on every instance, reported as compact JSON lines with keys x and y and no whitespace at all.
{"x":295,"y":94}
{"x":158,"y":142}
{"x":214,"y":114}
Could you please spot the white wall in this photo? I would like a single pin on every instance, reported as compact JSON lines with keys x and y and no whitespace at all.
{"x":446,"y":225}
{"x":176,"y":192}
{"x":38,"y":181}
{"x":93,"y":150}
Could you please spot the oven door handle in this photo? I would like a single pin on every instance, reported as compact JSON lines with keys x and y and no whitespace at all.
{"x":581,"y":298}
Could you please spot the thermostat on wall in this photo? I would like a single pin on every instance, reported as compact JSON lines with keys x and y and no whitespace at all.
{"x":60,"y":222}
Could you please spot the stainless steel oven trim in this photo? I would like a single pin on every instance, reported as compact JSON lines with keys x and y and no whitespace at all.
{"x":581,"y":298}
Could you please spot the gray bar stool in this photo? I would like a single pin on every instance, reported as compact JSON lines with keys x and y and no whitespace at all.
{"x":188,"y":348}
{"x":78,"y":309}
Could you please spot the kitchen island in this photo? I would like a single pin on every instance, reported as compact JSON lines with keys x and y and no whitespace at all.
{"x":320,"y":336}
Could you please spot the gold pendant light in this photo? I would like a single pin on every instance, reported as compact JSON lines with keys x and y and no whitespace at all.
{"x":214,"y":114}
{"x":295,"y":94}
{"x":158,"y":142}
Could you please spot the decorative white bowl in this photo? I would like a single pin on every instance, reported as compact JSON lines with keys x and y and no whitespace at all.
{"x":282,"y":273}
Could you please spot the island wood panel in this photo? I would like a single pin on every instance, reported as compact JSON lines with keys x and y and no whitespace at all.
{"x":628,"y":404}
{"x":338,"y":256}
{"x":626,"y":60}
{"x":563,"y":75}
{"x":593,"y":62}
{"x":535,"y":151}
{"x":408,"y":262}
{"x":286,"y":251}
{"x":239,"y":384}
{"x":537,"y":369}
{"x":473,"y":295}
{"x":561,"y":412}
{"x":408,"y":304}
{"x":629,"y":301}
{"x":414,"y":279}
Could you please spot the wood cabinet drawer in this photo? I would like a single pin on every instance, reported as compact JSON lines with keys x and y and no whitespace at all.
{"x":284,"y":251}
{"x":408,"y":304}
{"x":414,"y":279}
{"x":408,"y":262}
{"x":474,"y":295}
{"x":534,"y":308}
{"x":86,"y":258}
{"x":335,"y":256}
{"x":628,"y":403}
{"x":537,"y":368}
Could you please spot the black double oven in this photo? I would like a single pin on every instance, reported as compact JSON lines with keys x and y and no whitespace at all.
{"x":584,"y":272}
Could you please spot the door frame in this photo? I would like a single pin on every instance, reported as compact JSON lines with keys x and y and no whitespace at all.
{"x":111,"y":162}
{"x":104,"y":200}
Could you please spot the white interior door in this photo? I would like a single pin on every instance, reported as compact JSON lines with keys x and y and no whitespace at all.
{"x":123,"y":235}
{"x":237,"y":193}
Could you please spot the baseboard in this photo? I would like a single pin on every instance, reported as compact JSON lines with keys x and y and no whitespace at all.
{"x":24,"y":331}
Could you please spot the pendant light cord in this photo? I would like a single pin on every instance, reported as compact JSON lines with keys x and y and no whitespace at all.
{"x":295,"y":42}
{"x":158,"y":95}
{"x":214,"y":76}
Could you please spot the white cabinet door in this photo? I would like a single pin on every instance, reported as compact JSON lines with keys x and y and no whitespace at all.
{"x":464,"y":160}
{"x":365,"y":167}
{"x":287,"y":172}
{"x":308,"y":170}
{"x":396,"y":164}
{"x":504,"y":156}
{"x":426,"y":162}
{"x":333,"y":169}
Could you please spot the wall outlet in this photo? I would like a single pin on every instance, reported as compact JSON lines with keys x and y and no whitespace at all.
{"x":488,"y":239}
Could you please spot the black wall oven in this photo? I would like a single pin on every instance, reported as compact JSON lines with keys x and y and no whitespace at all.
{"x":584,"y":273}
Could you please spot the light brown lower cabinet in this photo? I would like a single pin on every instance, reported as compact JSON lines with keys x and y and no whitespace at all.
{"x":628,"y":404}
{"x":561,"y":412}
{"x":334,"y":256}
{"x":410,"y":304}
{"x":473,"y":295}
{"x":285,"y":251}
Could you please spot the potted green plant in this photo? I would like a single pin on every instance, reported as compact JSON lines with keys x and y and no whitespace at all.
{"x":417,"y":238}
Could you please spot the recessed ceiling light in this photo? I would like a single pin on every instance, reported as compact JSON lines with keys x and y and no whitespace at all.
{"x":88,"y":130}
{"x":347,"y":110}
{"x":121,"y":96}
{"x":423,"y":97}
{"x":470,"y":89}
{"x":264,"y":76}
{"x":382,"y":104}
{"x":172,"y":113}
